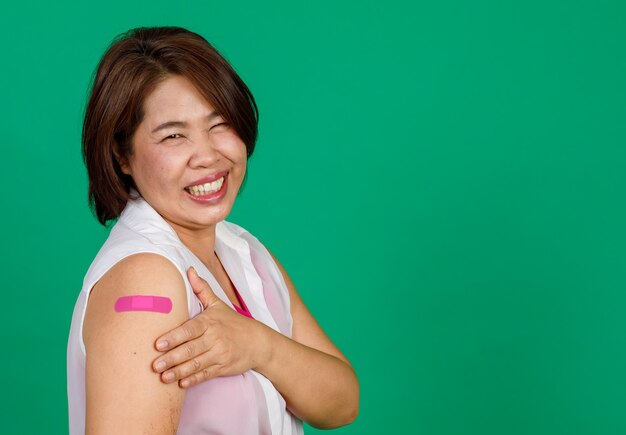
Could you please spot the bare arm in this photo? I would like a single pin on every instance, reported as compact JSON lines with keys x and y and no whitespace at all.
{"x":123,"y":395}
{"x":315,"y":378}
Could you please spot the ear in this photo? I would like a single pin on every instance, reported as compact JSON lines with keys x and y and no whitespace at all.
{"x":121,"y":160}
{"x":125,"y":168}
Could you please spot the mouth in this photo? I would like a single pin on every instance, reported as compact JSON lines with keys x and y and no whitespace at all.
{"x":206,"y":189}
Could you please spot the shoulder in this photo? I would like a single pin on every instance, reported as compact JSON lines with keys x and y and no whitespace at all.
{"x":239,"y":236}
{"x":142,"y":274}
{"x":147,"y":270}
{"x":241,"y":239}
{"x":262,"y":257}
{"x":126,"y":247}
{"x":231,"y":230}
{"x":233,"y":227}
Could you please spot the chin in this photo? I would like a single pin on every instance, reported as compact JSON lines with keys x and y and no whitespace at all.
{"x":213,"y":218}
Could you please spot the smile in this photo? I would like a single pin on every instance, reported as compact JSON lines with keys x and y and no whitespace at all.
{"x":206,"y":188}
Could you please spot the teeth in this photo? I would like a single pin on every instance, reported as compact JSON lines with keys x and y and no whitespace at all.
{"x":207,"y":188}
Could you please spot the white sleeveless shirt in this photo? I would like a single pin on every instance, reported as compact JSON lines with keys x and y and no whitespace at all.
{"x":242,"y":404}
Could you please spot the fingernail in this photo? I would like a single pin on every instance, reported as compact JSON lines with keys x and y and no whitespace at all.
{"x":193,"y":271}
{"x":160,"y":366}
{"x":184,"y":383}
{"x":161,"y":344}
{"x":168,"y":376}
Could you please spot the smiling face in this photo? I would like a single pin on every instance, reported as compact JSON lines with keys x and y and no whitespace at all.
{"x":187,"y":162}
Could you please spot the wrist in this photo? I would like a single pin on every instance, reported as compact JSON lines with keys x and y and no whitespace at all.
{"x":263,"y":338}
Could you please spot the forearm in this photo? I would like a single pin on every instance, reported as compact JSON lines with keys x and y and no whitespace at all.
{"x":319,"y":388}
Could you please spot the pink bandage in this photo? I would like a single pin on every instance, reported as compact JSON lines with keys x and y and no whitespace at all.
{"x":155,"y":304}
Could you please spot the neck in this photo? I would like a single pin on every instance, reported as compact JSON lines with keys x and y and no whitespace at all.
{"x":201,"y":243}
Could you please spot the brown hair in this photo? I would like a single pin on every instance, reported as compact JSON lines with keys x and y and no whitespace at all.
{"x":135,"y":62}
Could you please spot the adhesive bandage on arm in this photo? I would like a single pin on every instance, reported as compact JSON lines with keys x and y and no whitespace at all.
{"x":155,"y":304}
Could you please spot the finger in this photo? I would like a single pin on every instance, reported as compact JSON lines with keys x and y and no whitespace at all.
{"x":191,"y":329}
{"x":201,"y":288}
{"x":188,"y":368}
{"x":181,"y":354}
{"x":202,"y":376}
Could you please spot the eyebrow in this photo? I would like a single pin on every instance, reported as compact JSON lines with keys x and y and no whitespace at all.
{"x":170,"y":124}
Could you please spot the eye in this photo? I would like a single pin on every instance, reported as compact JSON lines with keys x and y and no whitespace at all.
{"x":173,"y":136}
{"x":222,"y":124}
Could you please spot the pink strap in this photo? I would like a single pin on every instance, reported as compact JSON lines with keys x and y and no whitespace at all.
{"x":244,"y":309}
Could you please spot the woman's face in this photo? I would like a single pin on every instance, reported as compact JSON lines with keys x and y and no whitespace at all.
{"x":187,"y":163}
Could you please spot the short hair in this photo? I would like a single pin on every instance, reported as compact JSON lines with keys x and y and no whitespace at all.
{"x":133,"y":65}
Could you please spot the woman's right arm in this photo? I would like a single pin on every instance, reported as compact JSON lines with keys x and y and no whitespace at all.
{"x":124,"y":395}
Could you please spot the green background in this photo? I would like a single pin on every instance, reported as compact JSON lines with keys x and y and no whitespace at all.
{"x":444,"y":181}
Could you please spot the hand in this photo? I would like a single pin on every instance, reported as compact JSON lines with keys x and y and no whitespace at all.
{"x":217,"y":342}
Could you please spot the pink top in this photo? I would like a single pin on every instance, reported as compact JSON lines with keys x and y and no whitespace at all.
{"x":244,"y":309}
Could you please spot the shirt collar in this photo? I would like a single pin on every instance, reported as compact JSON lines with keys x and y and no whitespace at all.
{"x":141,"y":217}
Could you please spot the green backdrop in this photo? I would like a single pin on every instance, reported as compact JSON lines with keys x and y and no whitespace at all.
{"x":444,"y":181}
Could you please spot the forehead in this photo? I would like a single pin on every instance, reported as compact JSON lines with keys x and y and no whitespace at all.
{"x":175,"y":97}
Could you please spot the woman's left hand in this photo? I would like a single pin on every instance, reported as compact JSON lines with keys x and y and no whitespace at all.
{"x":217,"y":342}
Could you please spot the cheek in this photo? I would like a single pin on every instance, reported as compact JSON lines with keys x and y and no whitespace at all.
{"x":233,"y":148}
{"x":239,"y":153}
{"x":156,"y":168}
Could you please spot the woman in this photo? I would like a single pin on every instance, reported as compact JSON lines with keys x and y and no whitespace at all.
{"x":168,"y":130}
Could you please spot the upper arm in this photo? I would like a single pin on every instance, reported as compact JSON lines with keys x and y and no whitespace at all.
{"x":124,"y":395}
{"x":305,"y":328}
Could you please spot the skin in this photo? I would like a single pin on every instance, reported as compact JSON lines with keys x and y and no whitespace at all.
{"x":119,"y":345}
{"x":316,"y":380}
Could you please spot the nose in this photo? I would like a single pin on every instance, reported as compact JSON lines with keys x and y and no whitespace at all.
{"x":204,"y":153}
